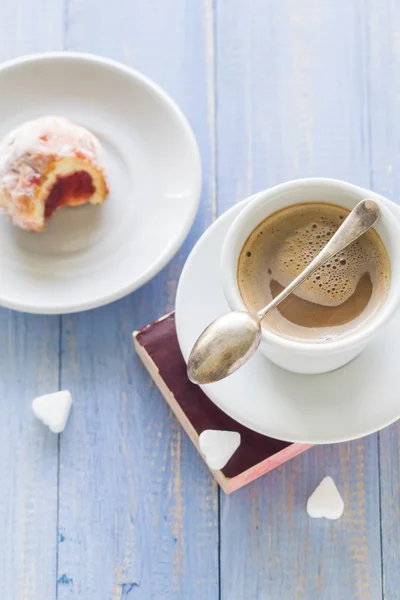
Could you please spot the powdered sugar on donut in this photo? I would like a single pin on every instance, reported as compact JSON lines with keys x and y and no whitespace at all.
{"x":31,"y":158}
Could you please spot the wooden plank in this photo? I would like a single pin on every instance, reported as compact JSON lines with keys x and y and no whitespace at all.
{"x":29,"y":366}
{"x":28,"y":457}
{"x":138,"y":509}
{"x":384,"y":93}
{"x":292,"y":102}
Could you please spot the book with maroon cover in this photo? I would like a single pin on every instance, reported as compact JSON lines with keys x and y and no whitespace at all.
{"x":157,"y":346}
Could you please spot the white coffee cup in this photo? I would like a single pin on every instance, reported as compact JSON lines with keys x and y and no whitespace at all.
{"x":306,"y":357}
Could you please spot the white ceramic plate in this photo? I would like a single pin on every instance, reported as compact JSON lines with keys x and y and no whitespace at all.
{"x":90,"y":256}
{"x":353,"y":401}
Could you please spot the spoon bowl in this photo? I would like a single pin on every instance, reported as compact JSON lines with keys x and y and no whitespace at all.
{"x":224,"y":346}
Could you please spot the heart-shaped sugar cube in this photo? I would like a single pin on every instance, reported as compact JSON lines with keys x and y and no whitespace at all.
{"x":325,"y":501}
{"x":53,"y":409}
{"x":218,"y":447}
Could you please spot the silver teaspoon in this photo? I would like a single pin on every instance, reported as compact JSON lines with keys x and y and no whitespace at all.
{"x":229,"y":341}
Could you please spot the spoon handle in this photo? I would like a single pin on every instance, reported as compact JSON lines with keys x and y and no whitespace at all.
{"x":361,"y":218}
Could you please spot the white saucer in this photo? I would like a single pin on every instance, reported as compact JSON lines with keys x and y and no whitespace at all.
{"x":89,"y":256}
{"x":353,"y":401}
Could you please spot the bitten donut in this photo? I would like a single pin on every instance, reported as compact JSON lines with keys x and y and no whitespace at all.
{"x":46,"y":164}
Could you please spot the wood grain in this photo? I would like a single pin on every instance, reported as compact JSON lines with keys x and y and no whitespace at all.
{"x":29,"y":366}
{"x":138,"y":510}
{"x":28,"y":458}
{"x":383,"y":22}
{"x":292,"y":102}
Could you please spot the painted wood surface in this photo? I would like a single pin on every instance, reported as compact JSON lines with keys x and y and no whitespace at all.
{"x":293,"y":78}
{"x":29,"y":366}
{"x":138,"y":510}
{"x":383,"y":22}
{"x":120,"y":505}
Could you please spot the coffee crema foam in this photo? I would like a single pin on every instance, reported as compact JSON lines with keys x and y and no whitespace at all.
{"x":338,"y":298}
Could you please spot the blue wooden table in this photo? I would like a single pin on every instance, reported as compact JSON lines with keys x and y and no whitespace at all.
{"x":120,"y":506}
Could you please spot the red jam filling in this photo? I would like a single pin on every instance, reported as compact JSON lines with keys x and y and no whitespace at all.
{"x":67,"y":190}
